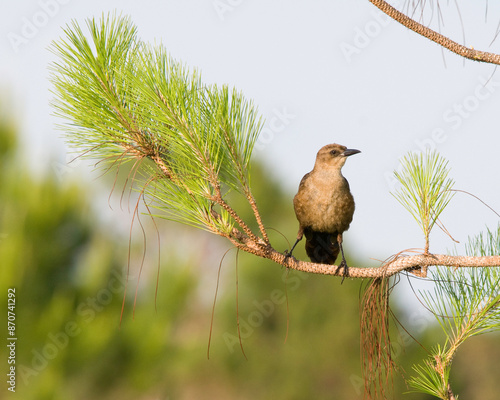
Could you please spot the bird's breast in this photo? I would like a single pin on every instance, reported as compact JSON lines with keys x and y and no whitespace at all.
{"x":324,"y":203}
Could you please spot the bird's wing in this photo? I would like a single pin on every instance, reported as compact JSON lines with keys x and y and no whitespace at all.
{"x":303,"y":180}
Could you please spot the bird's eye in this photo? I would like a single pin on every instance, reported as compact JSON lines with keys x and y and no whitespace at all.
{"x":333,"y":152}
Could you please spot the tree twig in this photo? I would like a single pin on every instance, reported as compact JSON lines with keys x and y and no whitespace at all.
{"x":464,"y":51}
{"x":256,"y":213}
{"x":404,"y":263}
{"x":413,"y":264}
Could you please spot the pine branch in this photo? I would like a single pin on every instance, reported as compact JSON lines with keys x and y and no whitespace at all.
{"x":128,"y":101}
{"x":124,"y":101}
{"x":466,"y":303}
{"x":405,"y":263}
{"x":466,"y":52}
{"x":425,"y":189}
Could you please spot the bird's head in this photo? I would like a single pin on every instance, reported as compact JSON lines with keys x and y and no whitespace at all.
{"x":333,"y":156}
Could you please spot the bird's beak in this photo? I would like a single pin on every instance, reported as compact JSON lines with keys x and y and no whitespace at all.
{"x":350,"y":152}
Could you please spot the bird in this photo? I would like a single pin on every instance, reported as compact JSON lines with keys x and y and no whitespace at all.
{"x":324,"y":206}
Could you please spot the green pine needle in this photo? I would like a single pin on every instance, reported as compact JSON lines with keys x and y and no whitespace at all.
{"x":466,"y":303}
{"x":425,"y":188}
{"x":124,"y":100}
{"x":428,"y":379}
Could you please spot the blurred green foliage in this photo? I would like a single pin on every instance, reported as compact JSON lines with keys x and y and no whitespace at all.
{"x":70,"y":274}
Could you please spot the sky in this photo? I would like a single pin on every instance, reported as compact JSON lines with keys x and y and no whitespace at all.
{"x":320,"y":72}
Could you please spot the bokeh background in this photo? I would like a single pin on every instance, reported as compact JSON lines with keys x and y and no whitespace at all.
{"x":320,"y":72}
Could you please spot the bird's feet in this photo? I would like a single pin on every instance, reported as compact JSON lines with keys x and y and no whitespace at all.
{"x":286,"y":262}
{"x":345,"y":268}
{"x":288,"y":254}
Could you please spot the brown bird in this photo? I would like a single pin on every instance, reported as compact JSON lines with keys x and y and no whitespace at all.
{"x":324,"y":206}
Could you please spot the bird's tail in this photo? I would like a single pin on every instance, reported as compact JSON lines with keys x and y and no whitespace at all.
{"x":322,"y":247}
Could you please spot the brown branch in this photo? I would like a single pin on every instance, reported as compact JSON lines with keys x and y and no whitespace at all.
{"x":417,"y":264}
{"x":251,"y":243}
{"x":404,"y":263}
{"x":219,"y":200}
{"x":466,"y":52}
{"x":256,"y":213}
{"x":413,"y":264}
{"x":246,"y":187}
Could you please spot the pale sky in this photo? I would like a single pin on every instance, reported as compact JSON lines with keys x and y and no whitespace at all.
{"x":320,"y":72}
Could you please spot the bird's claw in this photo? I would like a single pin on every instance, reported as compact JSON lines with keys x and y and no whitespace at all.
{"x":345,"y":268}
{"x":288,"y":254}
